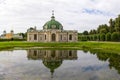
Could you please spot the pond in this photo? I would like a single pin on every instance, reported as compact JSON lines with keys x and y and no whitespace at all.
{"x":35,"y":64}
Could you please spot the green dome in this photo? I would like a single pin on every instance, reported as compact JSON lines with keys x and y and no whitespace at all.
{"x":52,"y":65}
{"x":53,"y":24}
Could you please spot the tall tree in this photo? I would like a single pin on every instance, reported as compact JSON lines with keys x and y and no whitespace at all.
{"x":102,"y":28}
{"x":85,"y":33}
{"x":117,"y":24}
{"x":111,"y":25}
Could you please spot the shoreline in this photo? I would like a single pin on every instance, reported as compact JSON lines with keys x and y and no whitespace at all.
{"x":103,"y":46}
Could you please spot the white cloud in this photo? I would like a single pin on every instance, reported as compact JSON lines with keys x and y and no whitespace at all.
{"x":22,"y":14}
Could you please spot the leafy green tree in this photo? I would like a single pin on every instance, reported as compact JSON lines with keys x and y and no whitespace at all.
{"x":23,"y":35}
{"x":79,"y":37}
{"x":95,"y":37}
{"x":117,"y":24}
{"x":103,"y":28}
{"x":103,"y":31}
{"x":84,"y":38}
{"x":98,"y":37}
{"x":85,"y":33}
{"x":91,"y":37}
{"x":79,"y":33}
{"x":115,"y":36}
{"x":108,"y":36}
{"x":94,"y":31}
{"x":112,"y":25}
{"x":88,"y":37}
{"x":102,"y":37}
{"x":117,"y":29}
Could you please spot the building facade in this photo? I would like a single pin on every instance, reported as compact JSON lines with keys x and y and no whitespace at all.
{"x":11,"y":35}
{"x":52,"y":32}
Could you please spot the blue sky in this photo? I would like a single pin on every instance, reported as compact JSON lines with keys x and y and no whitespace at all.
{"x":79,"y":15}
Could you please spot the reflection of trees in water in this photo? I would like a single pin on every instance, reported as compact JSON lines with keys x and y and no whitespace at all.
{"x":114,"y":59}
{"x":115,"y":62}
{"x":52,"y":59}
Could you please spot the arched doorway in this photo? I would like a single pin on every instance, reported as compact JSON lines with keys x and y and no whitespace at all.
{"x":53,"y":37}
{"x":70,"y":37}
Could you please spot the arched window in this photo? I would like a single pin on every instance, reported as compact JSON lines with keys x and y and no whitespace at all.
{"x":35,"y":36}
{"x":45,"y":53}
{"x":70,"y":37}
{"x":53,"y":54}
{"x":35,"y":53}
{"x":45,"y":37}
{"x":70,"y":53}
{"x":53,"y":37}
{"x":61,"y":37}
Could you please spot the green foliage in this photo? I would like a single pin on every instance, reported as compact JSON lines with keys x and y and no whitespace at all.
{"x":82,"y":38}
{"x":91,"y":37}
{"x":3,"y":40}
{"x":108,"y":36}
{"x":114,"y":59}
{"x":117,"y":23}
{"x":102,"y":28}
{"x":95,"y":37}
{"x":102,"y":37}
{"x":88,"y":38}
{"x":98,"y":37}
{"x":103,"y":31}
{"x":93,"y":31}
{"x":114,"y":26}
{"x":85,"y":33}
{"x":115,"y":36}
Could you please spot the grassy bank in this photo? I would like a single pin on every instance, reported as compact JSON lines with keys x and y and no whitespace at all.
{"x":104,"y":46}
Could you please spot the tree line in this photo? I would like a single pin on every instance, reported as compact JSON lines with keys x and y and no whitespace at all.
{"x":104,"y":32}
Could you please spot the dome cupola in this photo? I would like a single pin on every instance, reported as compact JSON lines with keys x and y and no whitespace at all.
{"x":53,"y":24}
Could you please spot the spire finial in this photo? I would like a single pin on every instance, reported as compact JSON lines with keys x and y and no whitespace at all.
{"x":52,"y":12}
{"x":52,"y":72}
{"x":53,"y":18}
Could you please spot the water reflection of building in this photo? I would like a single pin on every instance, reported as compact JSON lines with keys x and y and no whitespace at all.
{"x":52,"y":59}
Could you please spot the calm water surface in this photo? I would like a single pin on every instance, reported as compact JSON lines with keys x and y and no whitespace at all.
{"x":58,"y":65}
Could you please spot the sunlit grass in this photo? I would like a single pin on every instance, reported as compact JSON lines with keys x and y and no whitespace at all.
{"x":108,"y":46}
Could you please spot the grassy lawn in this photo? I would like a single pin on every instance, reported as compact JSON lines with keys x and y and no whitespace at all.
{"x":104,"y":46}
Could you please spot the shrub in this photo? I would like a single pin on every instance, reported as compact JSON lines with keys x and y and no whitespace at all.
{"x":102,"y":37}
{"x":12,"y":39}
{"x":79,"y":37}
{"x":95,"y":37}
{"x":84,"y":38}
{"x":88,"y":37}
{"x":115,"y":36}
{"x":108,"y":37}
{"x":91,"y":37}
{"x":98,"y":37}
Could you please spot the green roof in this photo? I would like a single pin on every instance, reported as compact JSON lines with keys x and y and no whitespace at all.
{"x":53,"y":24}
{"x":52,"y":65}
